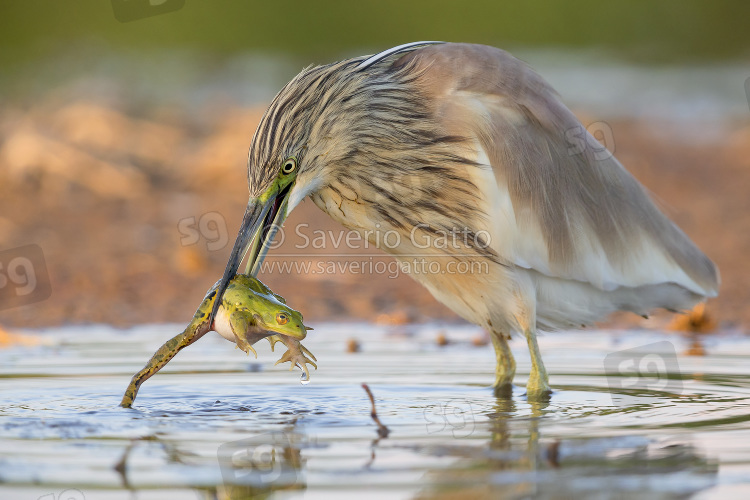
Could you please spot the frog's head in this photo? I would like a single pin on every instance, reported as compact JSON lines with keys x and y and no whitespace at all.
{"x":250,"y":311}
{"x":274,"y":316}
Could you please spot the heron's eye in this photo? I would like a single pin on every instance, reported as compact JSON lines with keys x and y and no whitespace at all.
{"x":289,"y":166}
{"x":282,"y":319}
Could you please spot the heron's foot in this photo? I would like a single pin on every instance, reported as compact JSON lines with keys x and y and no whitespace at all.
{"x":505,"y":370}
{"x":505,"y":367}
{"x":297,"y":355}
{"x":245,"y":346}
{"x":503,"y":391}
{"x":537,"y":388}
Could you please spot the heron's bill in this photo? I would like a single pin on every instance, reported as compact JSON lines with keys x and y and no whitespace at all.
{"x":263,"y":217}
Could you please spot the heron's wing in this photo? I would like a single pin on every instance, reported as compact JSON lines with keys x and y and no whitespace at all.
{"x":562,"y":204}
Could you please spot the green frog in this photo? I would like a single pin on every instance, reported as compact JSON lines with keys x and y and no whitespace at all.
{"x":249,"y":312}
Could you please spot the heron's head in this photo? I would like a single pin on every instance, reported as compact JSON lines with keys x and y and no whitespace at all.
{"x":320,"y":127}
{"x":290,"y":155}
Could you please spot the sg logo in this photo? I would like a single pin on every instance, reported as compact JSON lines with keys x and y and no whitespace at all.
{"x":643,"y":370}
{"x":210,"y":226}
{"x":65,"y":495}
{"x":23,"y":277}
{"x":455,"y":416}
{"x":132,"y":10}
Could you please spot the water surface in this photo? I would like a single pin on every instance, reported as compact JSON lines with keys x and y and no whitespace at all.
{"x":631,"y":414}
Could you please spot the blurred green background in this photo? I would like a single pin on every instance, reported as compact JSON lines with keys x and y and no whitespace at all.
{"x":643,"y":30}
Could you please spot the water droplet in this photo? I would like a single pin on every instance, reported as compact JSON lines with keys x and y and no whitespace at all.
{"x":304,"y":379}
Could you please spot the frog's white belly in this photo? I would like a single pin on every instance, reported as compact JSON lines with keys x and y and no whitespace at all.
{"x":221,"y":325}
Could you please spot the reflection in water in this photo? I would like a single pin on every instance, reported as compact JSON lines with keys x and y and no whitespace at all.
{"x":258,"y":466}
{"x":519,"y":463}
{"x":226,"y":428}
{"x":251,"y":468}
{"x":515,"y":461}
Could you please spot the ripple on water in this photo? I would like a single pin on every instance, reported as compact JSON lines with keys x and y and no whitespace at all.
{"x":214,"y":419}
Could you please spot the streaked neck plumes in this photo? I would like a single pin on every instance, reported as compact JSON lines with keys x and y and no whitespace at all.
{"x":369,"y":138}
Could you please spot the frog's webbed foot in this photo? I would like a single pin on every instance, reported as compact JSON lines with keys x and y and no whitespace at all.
{"x":297,"y":355}
{"x":272,"y":339}
{"x":244,"y":345}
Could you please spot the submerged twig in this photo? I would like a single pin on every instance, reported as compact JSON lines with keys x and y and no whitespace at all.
{"x":383,"y":431}
{"x":553,"y":454}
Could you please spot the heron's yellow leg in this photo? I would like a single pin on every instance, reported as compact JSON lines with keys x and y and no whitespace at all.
{"x":538,"y":385}
{"x":505,"y":367}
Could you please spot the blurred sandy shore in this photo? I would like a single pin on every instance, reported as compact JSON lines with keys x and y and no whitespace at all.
{"x":136,"y":214}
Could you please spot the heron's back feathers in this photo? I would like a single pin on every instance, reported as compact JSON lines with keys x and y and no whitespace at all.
{"x":561,"y":204}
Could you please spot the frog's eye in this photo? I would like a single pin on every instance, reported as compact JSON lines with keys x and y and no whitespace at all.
{"x":282,"y":318}
{"x":289,"y":166}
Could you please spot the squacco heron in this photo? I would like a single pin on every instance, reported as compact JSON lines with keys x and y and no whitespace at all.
{"x":429,"y":139}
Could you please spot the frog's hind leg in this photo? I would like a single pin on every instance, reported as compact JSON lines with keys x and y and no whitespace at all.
{"x":161,"y":357}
